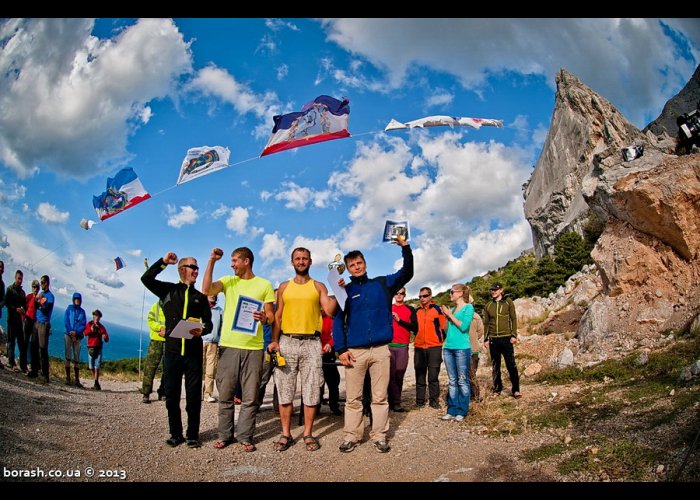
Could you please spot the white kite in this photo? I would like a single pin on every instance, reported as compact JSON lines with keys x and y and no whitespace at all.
{"x":203,"y":161}
{"x":440,"y":121}
{"x":87,"y":224}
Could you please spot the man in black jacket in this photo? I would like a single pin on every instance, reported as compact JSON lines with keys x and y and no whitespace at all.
{"x":182,"y":356}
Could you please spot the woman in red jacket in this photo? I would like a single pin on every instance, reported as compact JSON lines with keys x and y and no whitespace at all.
{"x":96,"y":333}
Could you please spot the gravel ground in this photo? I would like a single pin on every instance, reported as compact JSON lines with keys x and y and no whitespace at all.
{"x":113,"y":434}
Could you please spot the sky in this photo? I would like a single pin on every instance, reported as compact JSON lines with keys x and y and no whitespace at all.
{"x":82,"y":98}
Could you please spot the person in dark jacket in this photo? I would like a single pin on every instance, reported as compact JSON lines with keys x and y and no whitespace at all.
{"x":182,"y":356}
{"x":15,"y":302}
{"x":362,"y":332}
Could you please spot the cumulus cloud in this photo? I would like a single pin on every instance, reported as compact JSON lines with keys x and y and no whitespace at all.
{"x":50,"y":214}
{"x":107,"y":279}
{"x":237,"y":220}
{"x":440,"y":98}
{"x":219,"y":83}
{"x":135,"y":252}
{"x":63,"y":90}
{"x":10,"y":193}
{"x":186,"y":215}
{"x":297,"y":197}
{"x":278,"y":24}
{"x":273,"y":247}
{"x":630,"y":61}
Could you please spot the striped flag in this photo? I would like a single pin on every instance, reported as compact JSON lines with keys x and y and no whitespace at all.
{"x":119,"y":263}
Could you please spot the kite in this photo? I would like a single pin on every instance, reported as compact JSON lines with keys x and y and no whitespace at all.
{"x":437,"y":121}
{"x":123,"y":191}
{"x":322,"y":119}
{"x":203,"y":161}
{"x":87,"y":224}
{"x":119,"y":263}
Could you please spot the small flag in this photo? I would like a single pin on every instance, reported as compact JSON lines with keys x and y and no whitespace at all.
{"x":203,"y":161}
{"x":322,"y":119}
{"x":119,"y":263}
{"x":123,"y":191}
{"x":145,"y":263}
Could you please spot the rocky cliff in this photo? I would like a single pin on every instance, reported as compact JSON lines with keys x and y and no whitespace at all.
{"x":685,"y":101}
{"x":583,"y":124}
{"x":647,"y":260}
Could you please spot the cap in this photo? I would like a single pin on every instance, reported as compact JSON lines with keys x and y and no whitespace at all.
{"x":496,"y":286}
{"x":97,"y":312}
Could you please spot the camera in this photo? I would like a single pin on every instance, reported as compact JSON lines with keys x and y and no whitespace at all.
{"x":688,"y":131}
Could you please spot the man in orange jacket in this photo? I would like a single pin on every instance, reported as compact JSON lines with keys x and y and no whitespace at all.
{"x":427,"y":354}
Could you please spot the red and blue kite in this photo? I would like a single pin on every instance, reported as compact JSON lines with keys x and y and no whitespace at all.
{"x":322,"y":119}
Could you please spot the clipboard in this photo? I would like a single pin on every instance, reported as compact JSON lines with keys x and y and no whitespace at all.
{"x":182,"y":330}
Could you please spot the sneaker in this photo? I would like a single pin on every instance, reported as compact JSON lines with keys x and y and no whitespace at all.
{"x":194,"y":443}
{"x":175,"y":441}
{"x":435,"y":404}
{"x":347,"y":446}
{"x":448,"y":417}
{"x":146,"y":399}
{"x":459,"y":418}
{"x":211,"y":399}
{"x":382,"y":446}
{"x":398,"y":409}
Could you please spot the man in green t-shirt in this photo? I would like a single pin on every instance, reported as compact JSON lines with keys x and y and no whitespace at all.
{"x":249,"y":301}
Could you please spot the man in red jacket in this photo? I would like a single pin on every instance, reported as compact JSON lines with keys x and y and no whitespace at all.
{"x":96,"y":334}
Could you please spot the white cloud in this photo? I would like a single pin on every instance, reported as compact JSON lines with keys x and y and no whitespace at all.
{"x":237,"y":220}
{"x":146,"y":114}
{"x":265,"y":195}
{"x":135,"y":252}
{"x":521,"y":125}
{"x":63,"y":90}
{"x":50,"y":214}
{"x":219,"y":83}
{"x":273,"y":247}
{"x":629,"y":61}
{"x":11,"y":193}
{"x":107,"y":279}
{"x":297,"y":197}
{"x":186,"y":215}
{"x":267,"y":43}
{"x":440,"y":98}
{"x":282,"y":71}
{"x":220,"y":211}
{"x":278,"y":24}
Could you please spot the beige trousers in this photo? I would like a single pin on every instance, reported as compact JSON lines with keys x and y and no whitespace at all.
{"x":209,"y":360}
{"x":377,"y":360}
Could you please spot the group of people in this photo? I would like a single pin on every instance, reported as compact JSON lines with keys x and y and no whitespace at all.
{"x":29,"y":328}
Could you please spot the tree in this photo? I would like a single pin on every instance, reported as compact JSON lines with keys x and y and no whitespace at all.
{"x":571,"y":253}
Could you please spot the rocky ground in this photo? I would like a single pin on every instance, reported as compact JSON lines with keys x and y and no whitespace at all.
{"x":116,"y":437}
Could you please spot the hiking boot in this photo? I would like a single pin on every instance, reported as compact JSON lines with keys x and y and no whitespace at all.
{"x":97,"y":386}
{"x":79,"y":385}
{"x":146,"y":399}
{"x":347,"y":446}
{"x":194,"y":443}
{"x":382,"y":446}
{"x":435,"y":404}
{"x":69,"y":381}
{"x":175,"y":441}
{"x":398,"y":409}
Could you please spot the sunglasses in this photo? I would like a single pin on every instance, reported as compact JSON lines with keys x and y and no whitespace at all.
{"x":424,"y":296}
{"x":194,"y":267}
{"x":455,"y":291}
{"x":400,"y":293}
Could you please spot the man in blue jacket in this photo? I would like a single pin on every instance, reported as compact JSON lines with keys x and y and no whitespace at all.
{"x":40,"y":337}
{"x":74,"y":321}
{"x":362,"y":331}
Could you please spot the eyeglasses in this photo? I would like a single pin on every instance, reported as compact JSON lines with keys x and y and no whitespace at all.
{"x":194,"y":267}
{"x":400,"y":293}
{"x":424,"y":296}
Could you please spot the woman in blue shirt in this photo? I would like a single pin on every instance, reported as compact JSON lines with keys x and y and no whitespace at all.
{"x":457,"y":352}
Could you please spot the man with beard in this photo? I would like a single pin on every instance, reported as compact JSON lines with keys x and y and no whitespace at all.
{"x":297,"y":336}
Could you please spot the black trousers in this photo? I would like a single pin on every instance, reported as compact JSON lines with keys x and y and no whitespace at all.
{"x":332,"y":379}
{"x":15,"y":333}
{"x":501,"y":346}
{"x":174,"y":367}
{"x":28,"y":329}
{"x":427,"y":361}
{"x":40,"y":349}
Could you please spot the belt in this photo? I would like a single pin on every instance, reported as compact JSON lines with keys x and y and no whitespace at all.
{"x":303,"y":337}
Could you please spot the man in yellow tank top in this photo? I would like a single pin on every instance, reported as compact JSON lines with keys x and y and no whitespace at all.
{"x":296,"y":335}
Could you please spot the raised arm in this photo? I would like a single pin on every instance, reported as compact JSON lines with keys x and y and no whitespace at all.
{"x":209,"y":288}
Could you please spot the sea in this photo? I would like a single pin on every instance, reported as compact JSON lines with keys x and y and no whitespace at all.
{"x":124,"y":342}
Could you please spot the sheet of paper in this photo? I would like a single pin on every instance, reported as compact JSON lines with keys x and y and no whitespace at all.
{"x":243,"y":320}
{"x":339,"y":292}
{"x":182,"y":330}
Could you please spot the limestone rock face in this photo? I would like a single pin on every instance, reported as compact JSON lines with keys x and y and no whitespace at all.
{"x":685,"y":101}
{"x":583,"y":124}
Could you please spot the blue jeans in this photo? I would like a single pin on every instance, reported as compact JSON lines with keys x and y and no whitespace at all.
{"x":457,"y":363}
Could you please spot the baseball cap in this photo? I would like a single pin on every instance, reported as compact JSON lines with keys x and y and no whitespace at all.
{"x":496,"y":286}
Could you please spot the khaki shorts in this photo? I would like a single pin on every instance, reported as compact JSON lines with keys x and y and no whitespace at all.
{"x":302,"y":357}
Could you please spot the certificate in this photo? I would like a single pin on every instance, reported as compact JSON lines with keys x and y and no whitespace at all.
{"x":243,"y":320}
{"x":182,"y":330}
{"x":340,"y":294}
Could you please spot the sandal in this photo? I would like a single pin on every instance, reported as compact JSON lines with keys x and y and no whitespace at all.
{"x":220,"y":444}
{"x":248,"y":447}
{"x":281,"y":445}
{"x":311,"y":443}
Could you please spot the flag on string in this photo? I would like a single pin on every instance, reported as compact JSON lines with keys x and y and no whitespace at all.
{"x":322,"y":119}
{"x":119,"y":263}
{"x":451,"y":121}
{"x":124,"y":190}
{"x":203,"y":161}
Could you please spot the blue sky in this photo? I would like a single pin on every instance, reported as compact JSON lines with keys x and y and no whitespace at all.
{"x":81,"y":98}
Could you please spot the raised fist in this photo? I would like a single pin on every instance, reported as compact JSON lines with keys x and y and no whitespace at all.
{"x":216,"y":254}
{"x":170,"y":258}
